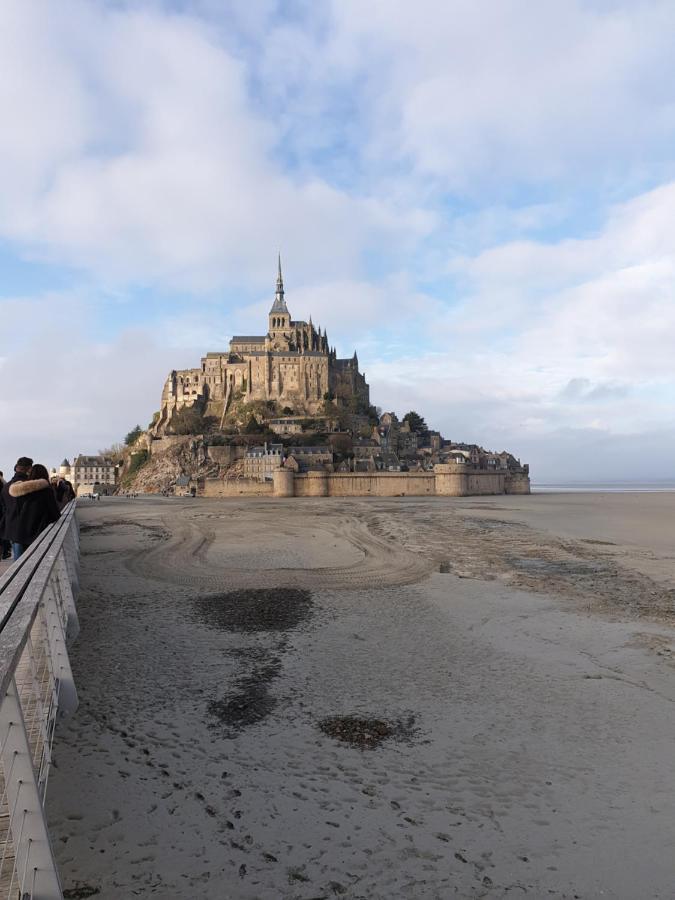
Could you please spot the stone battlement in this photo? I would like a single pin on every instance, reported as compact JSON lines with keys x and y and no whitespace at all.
{"x":448,"y":480}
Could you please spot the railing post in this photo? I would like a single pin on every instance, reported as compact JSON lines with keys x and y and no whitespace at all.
{"x":36,"y":872}
{"x":70,"y":621}
{"x":58,"y":652}
{"x":72,"y":551}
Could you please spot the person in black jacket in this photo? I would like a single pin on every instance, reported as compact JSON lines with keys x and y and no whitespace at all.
{"x":5,"y":546}
{"x":63,"y":491}
{"x":37,"y":507}
{"x":10,"y":506}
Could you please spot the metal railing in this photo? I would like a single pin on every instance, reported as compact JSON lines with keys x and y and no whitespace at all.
{"x":38,"y":620}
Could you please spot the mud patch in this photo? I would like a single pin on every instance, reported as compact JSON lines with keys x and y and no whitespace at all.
{"x":366,"y":733}
{"x":250,"y":703}
{"x":250,"y":611}
{"x":534,"y":565}
{"x":154,"y":532}
{"x":489,"y":524}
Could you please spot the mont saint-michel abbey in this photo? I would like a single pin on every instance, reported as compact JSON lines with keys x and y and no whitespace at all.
{"x":293,"y":365}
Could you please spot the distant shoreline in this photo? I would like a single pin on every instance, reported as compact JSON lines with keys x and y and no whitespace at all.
{"x":603,"y":487}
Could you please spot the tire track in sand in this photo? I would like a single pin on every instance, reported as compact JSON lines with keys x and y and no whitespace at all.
{"x":188,"y":557}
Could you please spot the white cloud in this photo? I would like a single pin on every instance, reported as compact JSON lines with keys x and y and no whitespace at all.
{"x":472,"y":91}
{"x":136,"y":155}
{"x":573,"y":336}
{"x":66,"y":391}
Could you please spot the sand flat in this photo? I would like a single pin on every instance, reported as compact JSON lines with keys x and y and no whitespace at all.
{"x":526,"y":675}
{"x":637,"y":527}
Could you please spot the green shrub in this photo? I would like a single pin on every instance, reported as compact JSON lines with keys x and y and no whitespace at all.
{"x":133,"y":436}
{"x":136,"y":461}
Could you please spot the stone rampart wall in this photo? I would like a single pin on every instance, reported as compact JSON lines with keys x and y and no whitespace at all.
{"x":446,"y":480}
{"x":517,"y":483}
{"x":364,"y":484}
{"x":484,"y":483}
{"x":219,"y":487}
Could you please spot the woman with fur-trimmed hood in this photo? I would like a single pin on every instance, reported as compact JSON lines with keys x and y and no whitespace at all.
{"x":37,"y":505}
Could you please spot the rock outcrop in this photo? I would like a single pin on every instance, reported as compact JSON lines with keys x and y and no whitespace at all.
{"x":167,"y":462}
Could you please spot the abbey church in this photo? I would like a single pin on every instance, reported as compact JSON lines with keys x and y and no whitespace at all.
{"x":293,"y":365}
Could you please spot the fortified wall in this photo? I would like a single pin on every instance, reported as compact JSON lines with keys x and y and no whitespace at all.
{"x":447,"y":480}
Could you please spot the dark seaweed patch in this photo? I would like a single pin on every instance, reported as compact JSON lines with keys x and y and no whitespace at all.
{"x":250,"y":702}
{"x":366,"y":733}
{"x":80,"y":891}
{"x":249,"y":611}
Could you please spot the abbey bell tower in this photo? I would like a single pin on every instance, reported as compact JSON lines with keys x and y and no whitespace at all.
{"x":279,"y":318}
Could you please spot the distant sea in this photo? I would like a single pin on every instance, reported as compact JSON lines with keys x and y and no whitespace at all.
{"x":613,"y":487}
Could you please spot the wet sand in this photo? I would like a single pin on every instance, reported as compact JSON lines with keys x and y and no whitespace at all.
{"x":410,"y":698}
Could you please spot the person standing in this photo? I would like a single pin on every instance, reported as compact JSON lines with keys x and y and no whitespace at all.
{"x":11,"y":506}
{"x":37,"y":506}
{"x":5,"y":546}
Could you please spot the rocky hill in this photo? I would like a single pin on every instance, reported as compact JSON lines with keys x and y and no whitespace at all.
{"x":159,"y":471}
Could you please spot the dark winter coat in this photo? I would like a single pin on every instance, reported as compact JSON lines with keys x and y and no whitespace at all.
{"x":64,"y":492}
{"x":37,"y":509}
{"x":2,"y":510}
{"x":9,"y":511}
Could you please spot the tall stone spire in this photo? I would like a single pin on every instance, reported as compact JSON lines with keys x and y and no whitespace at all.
{"x":280,"y":280}
{"x":279,"y":305}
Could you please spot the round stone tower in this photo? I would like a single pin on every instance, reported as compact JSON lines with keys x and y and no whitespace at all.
{"x":451,"y":479}
{"x":283,"y":482}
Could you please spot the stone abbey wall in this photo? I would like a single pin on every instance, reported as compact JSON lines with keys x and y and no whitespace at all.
{"x":292,"y":364}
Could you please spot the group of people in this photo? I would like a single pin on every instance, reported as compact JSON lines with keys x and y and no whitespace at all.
{"x":29,"y":502}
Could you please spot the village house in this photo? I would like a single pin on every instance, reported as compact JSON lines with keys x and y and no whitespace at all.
{"x":90,"y":473}
{"x":287,"y":424}
{"x":261,"y":461}
{"x":408,"y":441}
{"x":309,"y":459}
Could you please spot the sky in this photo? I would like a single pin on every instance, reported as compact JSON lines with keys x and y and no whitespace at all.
{"x":476,"y":196}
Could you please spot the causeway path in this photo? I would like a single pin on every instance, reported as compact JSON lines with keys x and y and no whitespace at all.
{"x":515,"y":690}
